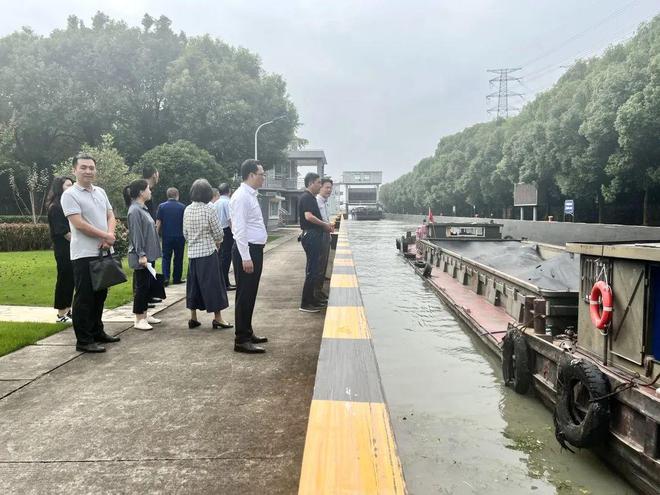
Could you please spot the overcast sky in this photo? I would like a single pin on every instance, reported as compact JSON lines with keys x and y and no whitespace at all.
{"x":377,"y":83}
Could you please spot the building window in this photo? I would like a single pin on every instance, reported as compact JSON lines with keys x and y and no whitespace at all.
{"x":274,"y":209}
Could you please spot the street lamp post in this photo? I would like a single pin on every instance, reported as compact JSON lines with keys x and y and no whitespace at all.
{"x":256,"y":133}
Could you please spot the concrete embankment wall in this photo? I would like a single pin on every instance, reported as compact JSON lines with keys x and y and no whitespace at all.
{"x":554,"y":232}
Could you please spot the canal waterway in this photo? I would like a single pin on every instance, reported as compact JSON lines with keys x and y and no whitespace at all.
{"x":459,"y":430}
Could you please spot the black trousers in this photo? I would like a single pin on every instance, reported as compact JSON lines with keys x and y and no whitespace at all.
{"x":141,"y":283}
{"x":311,"y":242}
{"x":87,"y":304}
{"x":64,"y":285}
{"x":247,"y":285}
{"x":226,"y":254}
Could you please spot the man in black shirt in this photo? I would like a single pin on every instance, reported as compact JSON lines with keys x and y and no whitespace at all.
{"x":313,"y":228}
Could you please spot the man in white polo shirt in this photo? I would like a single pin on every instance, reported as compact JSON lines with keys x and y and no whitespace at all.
{"x":92,"y":228}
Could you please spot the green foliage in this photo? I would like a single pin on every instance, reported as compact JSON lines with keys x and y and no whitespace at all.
{"x":145,"y":85}
{"x":121,"y":239}
{"x":14,"y":335}
{"x":179,"y":164}
{"x":112,"y":172}
{"x":21,"y":219}
{"x":592,"y":137}
{"x":24,"y":236}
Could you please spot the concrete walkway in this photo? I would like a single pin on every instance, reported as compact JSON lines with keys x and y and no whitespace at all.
{"x":167,"y":411}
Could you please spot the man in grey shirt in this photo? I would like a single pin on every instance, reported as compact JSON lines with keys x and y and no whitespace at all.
{"x":92,"y":228}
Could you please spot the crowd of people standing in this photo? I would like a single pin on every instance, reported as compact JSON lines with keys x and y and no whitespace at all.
{"x":219,"y":229}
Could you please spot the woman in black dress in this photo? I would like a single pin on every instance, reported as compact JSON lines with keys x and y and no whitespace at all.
{"x":60,"y":233}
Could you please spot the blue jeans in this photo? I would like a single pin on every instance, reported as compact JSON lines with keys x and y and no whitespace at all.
{"x":312,"y":244}
{"x":176,"y":245}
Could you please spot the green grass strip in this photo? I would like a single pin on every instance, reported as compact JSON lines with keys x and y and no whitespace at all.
{"x":14,"y":335}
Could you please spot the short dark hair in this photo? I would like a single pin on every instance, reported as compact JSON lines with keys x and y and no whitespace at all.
{"x":148,"y":171}
{"x":215,"y":191}
{"x":201,"y":191}
{"x":311,"y":177}
{"x":223,"y":188}
{"x":325,"y":180}
{"x":82,"y":156}
{"x":249,"y":166}
{"x":172,"y":192}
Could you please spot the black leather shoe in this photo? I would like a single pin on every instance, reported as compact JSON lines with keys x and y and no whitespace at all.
{"x":151,"y":306}
{"x":154,"y":300}
{"x":231,"y":287}
{"x":193,"y":323}
{"x":166,"y":283}
{"x":258,"y":340}
{"x":107,"y":338}
{"x":93,"y":347}
{"x":217,"y":324}
{"x":182,"y":281}
{"x":249,"y":348}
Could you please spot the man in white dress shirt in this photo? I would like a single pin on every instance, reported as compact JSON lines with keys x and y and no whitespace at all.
{"x":322,"y":199}
{"x":248,"y":253}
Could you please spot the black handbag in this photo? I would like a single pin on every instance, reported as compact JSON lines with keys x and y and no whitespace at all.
{"x":106,"y":271}
{"x":157,"y":287}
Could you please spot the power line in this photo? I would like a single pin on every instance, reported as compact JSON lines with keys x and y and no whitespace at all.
{"x":611,"y":15}
{"x":503,"y":93}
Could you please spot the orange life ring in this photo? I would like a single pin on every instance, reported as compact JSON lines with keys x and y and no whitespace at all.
{"x":601,"y":294}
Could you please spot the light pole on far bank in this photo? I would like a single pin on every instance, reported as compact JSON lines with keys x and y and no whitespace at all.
{"x":256,"y":133}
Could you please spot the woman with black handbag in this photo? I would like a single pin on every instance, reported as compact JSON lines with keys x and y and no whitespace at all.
{"x":144,"y":248}
{"x":60,"y":233}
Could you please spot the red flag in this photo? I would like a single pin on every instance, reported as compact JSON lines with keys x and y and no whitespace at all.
{"x":430,"y":215}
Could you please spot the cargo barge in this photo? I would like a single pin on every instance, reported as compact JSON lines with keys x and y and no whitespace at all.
{"x":578,"y":326}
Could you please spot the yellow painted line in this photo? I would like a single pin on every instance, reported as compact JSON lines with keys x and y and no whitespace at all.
{"x":346,"y":322}
{"x":343,"y":280}
{"x":343,"y":262}
{"x":343,"y":245}
{"x":344,"y":251}
{"x":350,"y":449}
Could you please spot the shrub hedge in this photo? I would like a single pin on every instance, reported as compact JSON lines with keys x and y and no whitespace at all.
{"x":24,"y":237}
{"x":31,"y":237}
{"x":22,"y":219}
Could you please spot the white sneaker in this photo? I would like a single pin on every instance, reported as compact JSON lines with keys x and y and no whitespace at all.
{"x":152,"y":320}
{"x":142,"y":324}
{"x":63,"y":319}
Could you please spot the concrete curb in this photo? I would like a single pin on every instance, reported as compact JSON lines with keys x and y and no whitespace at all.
{"x":350,"y":446}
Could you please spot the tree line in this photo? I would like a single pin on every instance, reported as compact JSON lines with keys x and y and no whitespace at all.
{"x":594,"y":137}
{"x":139,"y":95}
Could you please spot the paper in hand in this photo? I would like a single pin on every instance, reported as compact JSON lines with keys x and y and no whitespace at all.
{"x":151,"y":269}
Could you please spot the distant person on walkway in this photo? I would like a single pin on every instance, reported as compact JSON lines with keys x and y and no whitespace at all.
{"x":222,"y":208}
{"x":169,"y":223}
{"x":322,"y":199}
{"x":215,"y":196}
{"x":60,"y":233}
{"x":92,"y":223}
{"x":143,"y":248}
{"x":313,"y":228}
{"x":152,"y":176}
{"x":248,"y":253}
{"x":205,"y":289}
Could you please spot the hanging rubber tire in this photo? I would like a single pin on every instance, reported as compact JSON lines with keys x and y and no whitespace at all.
{"x":420,"y":263}
{"x":580,"y":418}
{"x":516,"y":361}
{"x":428,"y":268}
{"x":404,"y":245}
